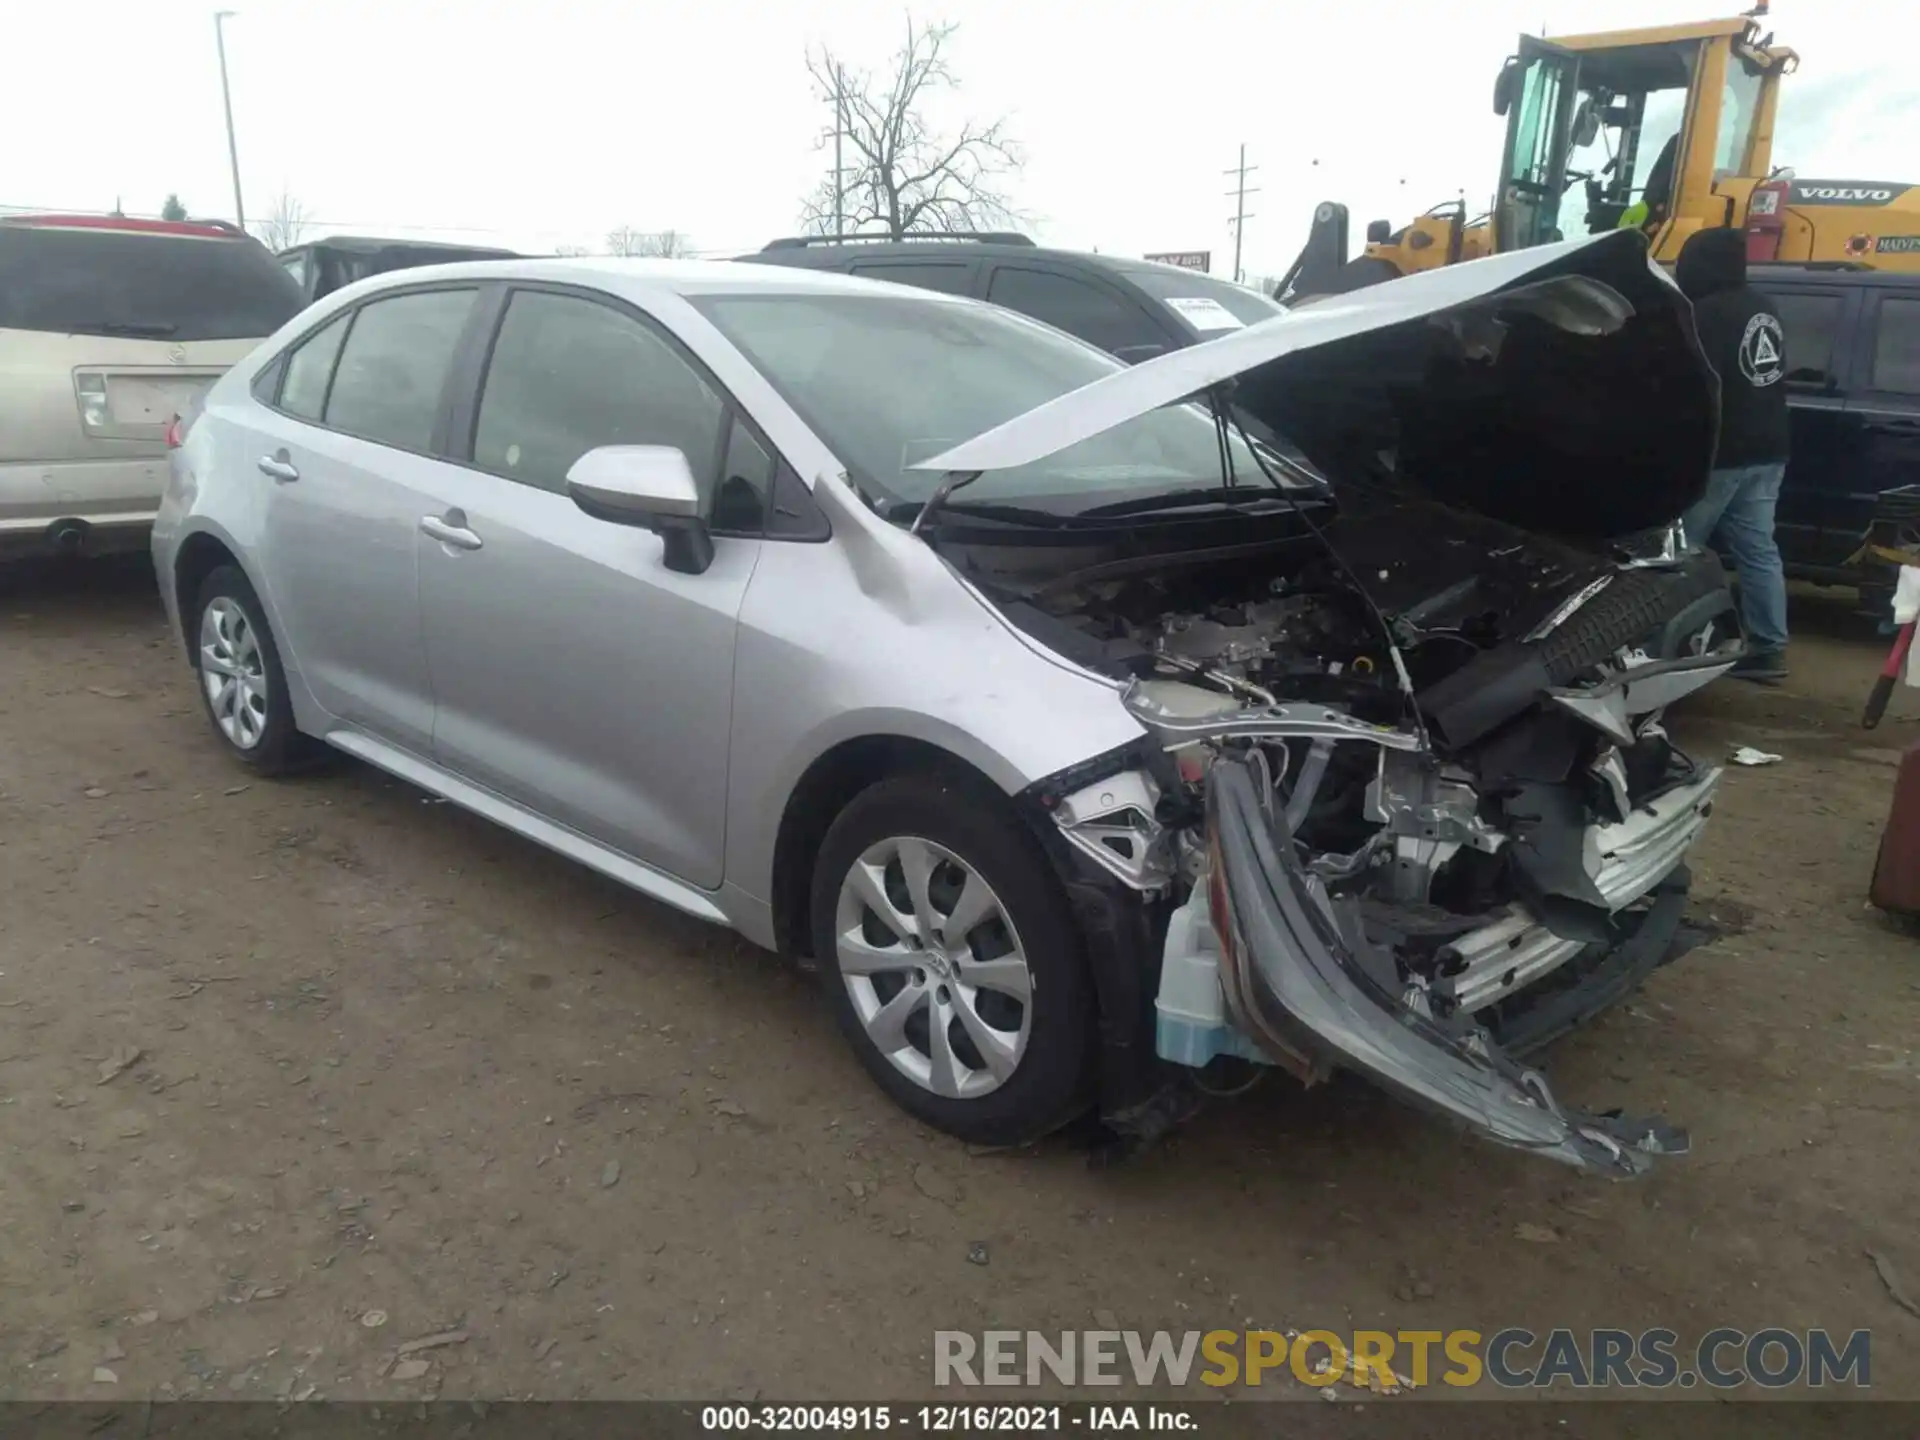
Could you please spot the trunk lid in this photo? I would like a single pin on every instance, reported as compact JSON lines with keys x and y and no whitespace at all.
{"x":1560,"y":388}
{"x":99,"y":397}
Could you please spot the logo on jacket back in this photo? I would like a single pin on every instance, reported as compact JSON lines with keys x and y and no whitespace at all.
{"x":1763,"y":350}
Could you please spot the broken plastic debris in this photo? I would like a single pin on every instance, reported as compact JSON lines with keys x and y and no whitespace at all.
{"x":1747,"y":755}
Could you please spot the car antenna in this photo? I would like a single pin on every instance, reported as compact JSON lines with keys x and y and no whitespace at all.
{"x":1379,"y":617}
{"x":955,"y":480}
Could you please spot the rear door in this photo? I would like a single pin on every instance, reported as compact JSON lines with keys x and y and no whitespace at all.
{"x":1824,"y":503}
{"x":349,"y":460}
{"x":1085,"y":306}
{"x":1886,"y":404}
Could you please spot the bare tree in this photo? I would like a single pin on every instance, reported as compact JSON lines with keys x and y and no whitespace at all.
{"x":286,"y":223}
{"x":652,"y":244}
{"x":900,"y":174}
{"x":571,"y":252}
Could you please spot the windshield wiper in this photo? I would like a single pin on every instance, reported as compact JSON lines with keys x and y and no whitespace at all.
{"x":154,"y":328}
{"x":1010,"y":514}
{"x":1237,"y":497}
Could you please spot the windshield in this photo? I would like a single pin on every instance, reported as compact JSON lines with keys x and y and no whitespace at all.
{"x":164,"y":287}
{"x":1205,"y":305}
{"x":888,"y":380}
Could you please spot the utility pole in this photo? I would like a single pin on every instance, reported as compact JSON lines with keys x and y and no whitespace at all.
{"x":220,"y":18}
{"x":839,"y":175}
{"x":1240,"y":215}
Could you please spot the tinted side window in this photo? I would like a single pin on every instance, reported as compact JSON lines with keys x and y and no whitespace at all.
{"x":394,"y":366}
{"x":309,"y":368}
{"x":947,"y":277}
{"x":1812,"y":324}
{"x":568,"y":375}
{"x":1896,"y":347}
{"x":1071,"y":305}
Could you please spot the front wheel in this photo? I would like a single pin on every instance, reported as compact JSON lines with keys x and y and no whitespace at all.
{"x":951,"y":961}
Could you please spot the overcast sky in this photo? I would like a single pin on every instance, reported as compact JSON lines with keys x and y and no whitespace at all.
{"x":538,"y":123}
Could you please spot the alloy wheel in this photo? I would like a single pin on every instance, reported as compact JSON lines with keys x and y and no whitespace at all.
{"x":234,"y":672}
{"x":934,"y":967}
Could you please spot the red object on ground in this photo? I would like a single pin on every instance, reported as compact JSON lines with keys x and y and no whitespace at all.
{"x":1896,"y":873}
{"x":1889,"y":677}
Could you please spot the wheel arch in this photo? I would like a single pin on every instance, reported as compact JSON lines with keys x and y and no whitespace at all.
{"x":825,"y":789}
{"x":198,"y":556}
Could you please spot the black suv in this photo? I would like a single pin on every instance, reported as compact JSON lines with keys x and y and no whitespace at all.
{"x":323,"y":266}
{"x":1853,"y":382}
{"x":1132,"y":309}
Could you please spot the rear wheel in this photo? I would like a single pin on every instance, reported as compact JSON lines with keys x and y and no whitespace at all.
{"x":243,"y":687}
{"x":951,"y":961}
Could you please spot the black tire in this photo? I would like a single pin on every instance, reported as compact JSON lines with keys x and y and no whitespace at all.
{"x":279,"y":748}
{"x":1050,"y":1083}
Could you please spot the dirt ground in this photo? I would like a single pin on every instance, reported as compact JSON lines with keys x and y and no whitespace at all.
{"x":385,"y":1071}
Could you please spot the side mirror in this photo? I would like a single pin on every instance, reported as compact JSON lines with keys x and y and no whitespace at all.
{"x":650,"y":487}
{"x":1503,"y":85}
{"x":1586,"y":124}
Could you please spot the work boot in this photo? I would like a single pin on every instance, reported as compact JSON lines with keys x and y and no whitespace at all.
{"x":1766,"y":667}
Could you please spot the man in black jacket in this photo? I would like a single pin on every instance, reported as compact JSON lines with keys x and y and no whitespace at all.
{"x":1744,"y":342}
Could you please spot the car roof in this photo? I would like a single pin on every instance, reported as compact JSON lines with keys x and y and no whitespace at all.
{"x":373,"y":244}
{"x":641,"y":279}
{"x":825,"y":253}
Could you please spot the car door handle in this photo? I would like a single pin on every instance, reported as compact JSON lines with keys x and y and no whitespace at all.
{"x":279,"y":467}
{"x":447,"y":532}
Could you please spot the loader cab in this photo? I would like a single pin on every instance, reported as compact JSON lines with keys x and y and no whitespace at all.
{"x":1667,"y":130}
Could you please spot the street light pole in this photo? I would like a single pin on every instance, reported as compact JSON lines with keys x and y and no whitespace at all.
{"x":226,"y":99}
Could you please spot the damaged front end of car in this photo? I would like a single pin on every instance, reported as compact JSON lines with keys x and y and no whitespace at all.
{"x":1404,"y":804}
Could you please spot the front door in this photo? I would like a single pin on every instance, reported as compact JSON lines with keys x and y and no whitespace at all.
{"x":341,"y":469}
{"x":1887,"y":407}
{"x":572,"y":671}
{"x":1823,"y":508}
{"x":1540,"y":88}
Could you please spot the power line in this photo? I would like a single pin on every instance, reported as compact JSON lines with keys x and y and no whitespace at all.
{"x":1240,"y":215}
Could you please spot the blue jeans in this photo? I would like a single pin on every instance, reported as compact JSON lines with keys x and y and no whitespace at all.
{"x":1735,"y":516}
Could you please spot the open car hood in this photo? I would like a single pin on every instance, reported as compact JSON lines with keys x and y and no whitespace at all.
{"x":1561,"y":389}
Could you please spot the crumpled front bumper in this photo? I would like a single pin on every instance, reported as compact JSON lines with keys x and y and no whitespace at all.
{"x":1299,"y":978}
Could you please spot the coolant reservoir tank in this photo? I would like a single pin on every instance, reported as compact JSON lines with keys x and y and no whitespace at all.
{"x":1177,"y":700}
{"x":1180,"y":701}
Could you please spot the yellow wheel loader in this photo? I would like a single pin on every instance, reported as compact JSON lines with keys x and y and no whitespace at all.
{"x":1668,"y":130}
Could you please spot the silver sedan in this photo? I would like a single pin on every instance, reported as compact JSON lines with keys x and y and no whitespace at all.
{"x":1081,"y":736}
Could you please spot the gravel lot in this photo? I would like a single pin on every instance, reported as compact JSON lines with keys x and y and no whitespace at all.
{"x":380,"y":1071}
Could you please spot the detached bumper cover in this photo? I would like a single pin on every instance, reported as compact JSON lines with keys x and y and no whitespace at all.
{"x":1306,"y":993}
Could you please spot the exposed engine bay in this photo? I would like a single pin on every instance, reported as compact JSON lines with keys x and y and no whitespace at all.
{"x":1403,"y":799}
{"x":1424,"y":769}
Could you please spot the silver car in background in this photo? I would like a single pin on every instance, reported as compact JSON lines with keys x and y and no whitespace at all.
{"x":1080,"y":740}
{"x":109,"y":326}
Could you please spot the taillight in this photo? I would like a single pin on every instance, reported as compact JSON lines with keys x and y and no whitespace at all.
{"x":91,"y":392}
{"x":176,"y":433}
{"x":1767,"y":220}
